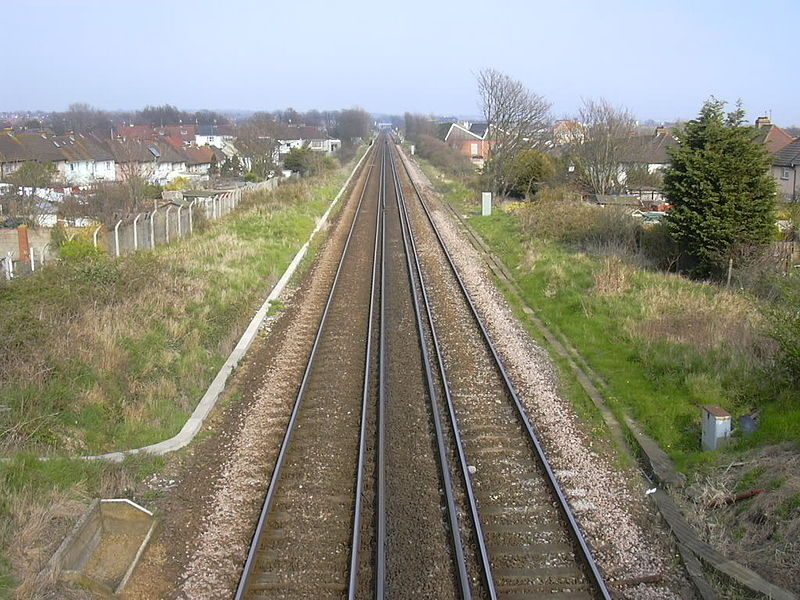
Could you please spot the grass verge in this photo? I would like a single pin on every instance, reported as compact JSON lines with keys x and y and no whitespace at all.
{"x":104,"y":354}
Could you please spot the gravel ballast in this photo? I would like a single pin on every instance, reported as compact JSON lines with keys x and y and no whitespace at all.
{"x":610,"y":504}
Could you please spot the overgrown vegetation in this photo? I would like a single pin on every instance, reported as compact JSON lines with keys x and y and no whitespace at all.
{"x":665,"y":344}
{"x":103,"y":354}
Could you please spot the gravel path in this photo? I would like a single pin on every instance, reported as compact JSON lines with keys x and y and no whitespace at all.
{"x":613,"y":512}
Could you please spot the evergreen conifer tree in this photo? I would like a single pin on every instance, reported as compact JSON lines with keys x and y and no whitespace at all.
{"x":720,"y":189}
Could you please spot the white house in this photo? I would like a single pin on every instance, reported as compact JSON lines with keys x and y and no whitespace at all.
{"x":213,"y":135}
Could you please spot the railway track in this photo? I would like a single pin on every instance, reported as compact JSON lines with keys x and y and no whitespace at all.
{"x":409,"y":468}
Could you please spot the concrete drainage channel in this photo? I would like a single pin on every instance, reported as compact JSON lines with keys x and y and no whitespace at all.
{"x":105,"y":546}
{"x":103,"y":549}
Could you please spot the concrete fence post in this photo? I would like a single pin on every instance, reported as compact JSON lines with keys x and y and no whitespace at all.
{"x":191,"y":224}
{"x":180,"y":227}
{"x":33,"y":259}
{"x":94,"y":235}
{"x":41,"y":253}
{"x":153,"y":229}
{"x":166,"y":224}
{"x":9,"y":264}
{"x":136,"y":232}
{"x":116,"y":237}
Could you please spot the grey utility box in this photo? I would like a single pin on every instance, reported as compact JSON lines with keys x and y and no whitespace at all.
{"x":486,"y":204}
{"x":716,"y":427}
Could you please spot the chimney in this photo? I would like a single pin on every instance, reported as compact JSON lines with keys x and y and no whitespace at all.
{"x":763,"y":122}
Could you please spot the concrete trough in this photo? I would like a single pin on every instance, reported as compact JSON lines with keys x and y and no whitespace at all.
{"x":103,"y":549}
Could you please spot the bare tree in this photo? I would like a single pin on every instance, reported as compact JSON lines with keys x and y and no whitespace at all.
{"x":257,"y":140}
{"x":600,"y":144}
{"x":516,"y":119}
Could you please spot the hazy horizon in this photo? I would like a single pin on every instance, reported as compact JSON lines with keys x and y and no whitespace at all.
{"x":661,"y":62}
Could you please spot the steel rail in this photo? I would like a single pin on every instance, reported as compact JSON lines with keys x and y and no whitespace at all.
{"x":276,"y":473}
{"x":486,"y":566}
{"x":596,"y":576}
{"x":365,"y":399}
{"x":380,"y":533}
{"x":447,"y":484}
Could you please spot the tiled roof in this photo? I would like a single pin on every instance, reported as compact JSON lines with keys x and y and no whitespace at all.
{"x":649,"y":149}
{"x":50,"y":148}
{"x":788,"y":156}
{"x":199,"y":155}
{"x":773,"y":137}
{"x":478,"y":129}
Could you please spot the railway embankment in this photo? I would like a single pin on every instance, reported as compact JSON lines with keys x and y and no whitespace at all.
{"x":102,"y":354}
{"x":658,"y":347}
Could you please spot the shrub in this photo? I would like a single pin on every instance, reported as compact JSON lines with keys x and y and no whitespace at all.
{"x":78,"y":249}
{"x":561,"y":216}
{"x":443,"y":156}
{"x":785,"y":321}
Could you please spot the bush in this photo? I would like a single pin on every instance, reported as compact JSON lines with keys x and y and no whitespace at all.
{"x":561,"y":216}
{"x":785,"y":319}
{"x":252,"y":177}
{"x":442,"y":156}
{"x":78,"y":249}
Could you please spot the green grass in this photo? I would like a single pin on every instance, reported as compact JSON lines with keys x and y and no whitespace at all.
{"x":154,"y":328}
{"x":661,"y":382}
{"x":108,"y":354}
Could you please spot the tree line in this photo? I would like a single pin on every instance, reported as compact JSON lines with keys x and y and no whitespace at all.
{"x":722,"y":196}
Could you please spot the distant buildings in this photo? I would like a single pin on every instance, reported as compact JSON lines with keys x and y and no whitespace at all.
{"x":470,"y":140}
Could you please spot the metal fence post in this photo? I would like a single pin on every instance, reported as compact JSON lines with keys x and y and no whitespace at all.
{"x":116,"y":237}
{"x":94,"y":235}
{"x":32,"y":254}
{"x":136,"y":232}
{"x":166,"y":223}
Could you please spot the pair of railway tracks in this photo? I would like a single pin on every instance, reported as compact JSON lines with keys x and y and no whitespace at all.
{"x":409,"y":468}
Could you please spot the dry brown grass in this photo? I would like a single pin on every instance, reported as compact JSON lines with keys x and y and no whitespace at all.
{"x":613,"y":277}
{"x":762,"y":532}
{"x":703,"y":318}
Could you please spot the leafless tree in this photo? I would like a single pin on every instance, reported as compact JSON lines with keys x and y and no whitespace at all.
{"x":517,"y":119}
{"x":600,"y":143}
{"x":257,"y":140}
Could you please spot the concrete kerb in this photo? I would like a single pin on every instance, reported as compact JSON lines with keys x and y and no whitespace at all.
{"x":195,"y":422}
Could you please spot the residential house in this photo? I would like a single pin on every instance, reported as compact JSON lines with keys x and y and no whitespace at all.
{"x":213,"y":135}
{"x":299,"y":136}
{"x":200,"y":159}
{"x":470,"y":140}
{"x":88,"y":160}
{"x":772,"y":136}
{"x":79,"y":159}
{"x":786,"y":171}
{"x":156,"y":161}
{"x":649,"y":151}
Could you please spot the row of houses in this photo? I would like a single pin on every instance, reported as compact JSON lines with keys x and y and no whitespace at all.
{"x":159,"y":154}
{"x":650,"y":151}
{"x":85,"y":159}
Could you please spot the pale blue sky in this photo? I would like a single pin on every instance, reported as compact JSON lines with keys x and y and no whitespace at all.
{"x":659,"y":59}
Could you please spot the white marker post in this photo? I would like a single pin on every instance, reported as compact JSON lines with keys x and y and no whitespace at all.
{"x":486,"y":204}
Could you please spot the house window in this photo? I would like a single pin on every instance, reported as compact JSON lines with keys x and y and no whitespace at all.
{"x":785,"y":174}
{"x":474,"y":149}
